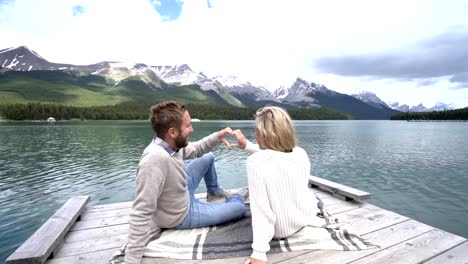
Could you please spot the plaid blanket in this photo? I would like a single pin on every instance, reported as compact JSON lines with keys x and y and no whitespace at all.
{"x":234,"y":239}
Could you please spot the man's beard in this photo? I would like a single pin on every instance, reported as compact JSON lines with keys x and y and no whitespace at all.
{"x":181,"y":142}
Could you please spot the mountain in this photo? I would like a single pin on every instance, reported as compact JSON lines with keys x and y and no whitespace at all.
{"x":26,"y":74}
{"x":183,"y":74}
{"x":24,"y":59}
{"x":371,"y":99}
{"x":309,"y":94}
{"x":397,"y":106}
{"x":420,"y":107}
{"x":439,"y":106}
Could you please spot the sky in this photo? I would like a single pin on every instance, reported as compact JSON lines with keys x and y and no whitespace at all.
{"x":409,"y":51}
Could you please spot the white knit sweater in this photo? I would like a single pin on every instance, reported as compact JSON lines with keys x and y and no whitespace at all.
{"x":280,"y":199}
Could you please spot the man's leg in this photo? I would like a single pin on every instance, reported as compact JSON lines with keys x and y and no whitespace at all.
{"x":199,"y":168}
{"x":207,"y":214}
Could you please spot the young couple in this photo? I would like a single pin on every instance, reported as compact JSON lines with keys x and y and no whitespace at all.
{"x":277,"y":171}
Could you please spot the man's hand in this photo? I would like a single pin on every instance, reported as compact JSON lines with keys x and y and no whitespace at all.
{"x":222,"y":135}
{"x":241,"y":140}
{"x":254,"y":261}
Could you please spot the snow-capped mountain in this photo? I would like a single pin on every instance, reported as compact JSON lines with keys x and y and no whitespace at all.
{"x":398,"y":107}
{"x":235,"y":85}
{"x":439,"y":106}
{"x":183,"y":75}
{"x":301,"y":92}
{"x":235,"y":91}
{"x":180,"y":74}
{"x":24,"y":59}
{"x":309,"y":94}
{"x":420,"y":107}
{"x":370,"y":98}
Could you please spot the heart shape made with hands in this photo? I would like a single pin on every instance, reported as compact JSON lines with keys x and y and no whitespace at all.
{"x":229,"y":140}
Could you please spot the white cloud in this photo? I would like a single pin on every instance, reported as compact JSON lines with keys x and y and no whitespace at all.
{"x":267,"y":42}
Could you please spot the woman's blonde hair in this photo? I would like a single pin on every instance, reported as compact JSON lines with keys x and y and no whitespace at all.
{"x":276,"y":128}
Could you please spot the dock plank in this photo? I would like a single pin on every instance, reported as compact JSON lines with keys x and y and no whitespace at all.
{"x":384,"y":238}
{"x":102,"y":222}
{"x":105,"y":207}
{"x":94,"y":233}
{"x":91,"y":245}
{"x":415,"y":250}
{"x":43,"y":242}
{"x":103,"y":229}
{"x":106,"y":214}
{"x":456,"y":255}
{"x":102,"y":256}
{"x":337,"y":189}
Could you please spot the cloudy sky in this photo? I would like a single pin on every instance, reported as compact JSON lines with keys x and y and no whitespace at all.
{"x":410,"y":51}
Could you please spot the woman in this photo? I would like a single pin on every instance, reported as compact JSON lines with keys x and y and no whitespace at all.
{"x":280,"y":200}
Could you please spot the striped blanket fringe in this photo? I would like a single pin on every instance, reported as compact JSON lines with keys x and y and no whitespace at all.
{"x":234,"y":239}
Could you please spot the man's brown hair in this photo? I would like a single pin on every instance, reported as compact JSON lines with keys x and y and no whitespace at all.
{"x":166,"y":115}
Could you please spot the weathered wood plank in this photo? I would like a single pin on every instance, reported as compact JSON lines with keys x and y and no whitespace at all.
{"x":370,"y":218}
{"x":415,"y":250}
{"x":94,"y":257}
{"x":456,"y":255}
{"x":102,"y":222}
{"x":91,"y":245}
{"x":104,"y":256}
{"x":95,"y":233}
{"x":106,"y":214}
{"x":363,"y":220}
{"x":338,"y":189}
{"x":105,"y":207}
{"x":342,"y":206}
{"x":384,"y":238}
{"x":42,"y":243}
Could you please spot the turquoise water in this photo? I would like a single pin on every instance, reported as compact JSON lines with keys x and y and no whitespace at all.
{"x":417,"y":169}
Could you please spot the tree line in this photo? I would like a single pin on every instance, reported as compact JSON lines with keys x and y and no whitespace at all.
{"x":457,"y":114}
{"x":42,"y":111}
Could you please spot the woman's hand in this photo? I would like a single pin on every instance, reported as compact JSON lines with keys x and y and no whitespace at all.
{"x":241,"y":140}
{"x":222,"y":135}
{"x":254,"y":261}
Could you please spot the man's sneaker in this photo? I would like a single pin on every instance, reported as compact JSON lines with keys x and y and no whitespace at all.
{"x":243,"y":193}
{"x":221,"y":193}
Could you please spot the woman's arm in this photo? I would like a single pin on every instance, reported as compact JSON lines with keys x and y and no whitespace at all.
{"x":244,"y":143}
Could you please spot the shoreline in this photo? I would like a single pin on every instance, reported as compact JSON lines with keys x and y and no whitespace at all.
{"x":437,"y":120}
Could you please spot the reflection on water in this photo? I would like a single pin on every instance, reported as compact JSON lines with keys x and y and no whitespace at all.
{"x":416,"y":169}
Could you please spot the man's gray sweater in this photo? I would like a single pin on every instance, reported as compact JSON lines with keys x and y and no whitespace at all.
{"x":162,"y":198}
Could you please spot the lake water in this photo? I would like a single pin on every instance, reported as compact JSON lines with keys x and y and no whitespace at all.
{"x":417,"y":169}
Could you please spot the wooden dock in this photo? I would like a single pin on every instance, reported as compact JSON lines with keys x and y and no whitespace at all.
{"x":77,"y":233}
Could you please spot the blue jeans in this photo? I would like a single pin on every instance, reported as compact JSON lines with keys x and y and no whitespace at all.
{"x":203,"y":214}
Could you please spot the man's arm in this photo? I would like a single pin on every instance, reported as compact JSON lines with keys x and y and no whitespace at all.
{"x":149,"y":183}
{"x":206,"y":144}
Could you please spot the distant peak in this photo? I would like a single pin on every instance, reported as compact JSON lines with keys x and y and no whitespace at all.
{"x":366,"y":93}
{"x":183,"y":67}
{"x":140,"y":66}
{"x":300,"y":80}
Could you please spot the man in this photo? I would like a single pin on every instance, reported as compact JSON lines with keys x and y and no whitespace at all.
{"x":165,"y":187}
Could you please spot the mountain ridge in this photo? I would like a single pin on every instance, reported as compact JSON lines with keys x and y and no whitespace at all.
{"x":234,"y":91}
